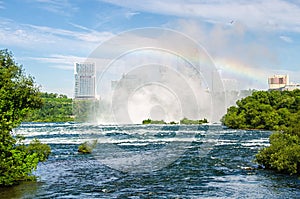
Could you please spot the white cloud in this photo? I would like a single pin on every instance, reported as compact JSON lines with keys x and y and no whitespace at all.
{"x":81,"y":27}
{"x":229,"y":42}
{"x":61,"y":7}
{"x":286,"y":39}
{"x":87,"y":36}
{"x":239,"y":57}
{"x":65,"y":62}
{"x":48,"y":39}
{"x":268,"y":15}
{"x":131,"y":14}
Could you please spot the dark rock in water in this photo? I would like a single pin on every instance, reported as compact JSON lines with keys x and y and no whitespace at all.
{"x":87,"y":147}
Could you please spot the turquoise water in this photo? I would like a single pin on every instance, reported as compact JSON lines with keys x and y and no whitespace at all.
{"x":153,"y":161}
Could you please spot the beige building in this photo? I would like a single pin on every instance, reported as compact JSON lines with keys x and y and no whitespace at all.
{"x":281,"y":82}
{"x":277,"y":82}
{"x":291,"y":87}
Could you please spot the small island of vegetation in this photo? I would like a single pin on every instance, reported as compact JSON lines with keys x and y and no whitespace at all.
{"x":272,"y":110}
{"x":149,"y":121}
{"x":185,"y":121}
{"x":189,"y":122}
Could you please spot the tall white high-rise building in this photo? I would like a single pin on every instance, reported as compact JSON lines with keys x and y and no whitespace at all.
{"x":85,"y":74}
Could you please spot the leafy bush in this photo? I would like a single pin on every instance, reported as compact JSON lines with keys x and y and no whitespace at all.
{"x":42,"y":150}
{"x":282,"y":155}
{"x":18,"y":95}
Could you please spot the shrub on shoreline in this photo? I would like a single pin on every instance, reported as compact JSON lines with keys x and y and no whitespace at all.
{"x":271,"y":110}
{"x":18,"y":95}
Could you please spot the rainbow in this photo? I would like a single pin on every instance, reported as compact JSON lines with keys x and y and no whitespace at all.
{"x":242,"y":71}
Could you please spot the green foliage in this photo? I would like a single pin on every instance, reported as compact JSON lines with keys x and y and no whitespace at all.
{"x":16,"y":165}
{"x":274,"y":110}
{"x":60,"y":108}
{"x":42,"y":150}
{"x":188,"y":121}
{"x":283,"y":154}
{"x":87,"y":147}
{"x":85,"y":109}
{"x":18,"y":95}
{"x":183,"y":121}
{"x":56,"y":108}
{"x":149,"y":121}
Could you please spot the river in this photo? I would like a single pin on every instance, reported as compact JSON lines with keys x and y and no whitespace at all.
{"x":151,"y":161}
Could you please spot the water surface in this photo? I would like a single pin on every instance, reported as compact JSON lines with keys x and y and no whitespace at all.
{"x":212,"y":162}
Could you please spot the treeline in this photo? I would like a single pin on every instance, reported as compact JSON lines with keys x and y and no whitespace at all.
{"x":55,"y":108}
{"x":272,"y":110}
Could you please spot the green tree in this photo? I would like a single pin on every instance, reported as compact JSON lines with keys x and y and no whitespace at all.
{"x":56,"y":108}
{"x":18,"y":95}
{"x":282,"y":155}
{"x":85,"y":110}
{"x":274,"y":110}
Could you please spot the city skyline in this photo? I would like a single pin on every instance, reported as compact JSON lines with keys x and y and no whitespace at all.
{"x":248,"y":41}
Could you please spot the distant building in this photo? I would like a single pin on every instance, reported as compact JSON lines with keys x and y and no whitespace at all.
{"x":281,"y":82}
{"x":85,"y":74}
{"x":291,"y":87}
{"x":278,"y":82}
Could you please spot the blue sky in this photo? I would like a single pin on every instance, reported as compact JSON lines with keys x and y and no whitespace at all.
{"x":248,"y":40}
